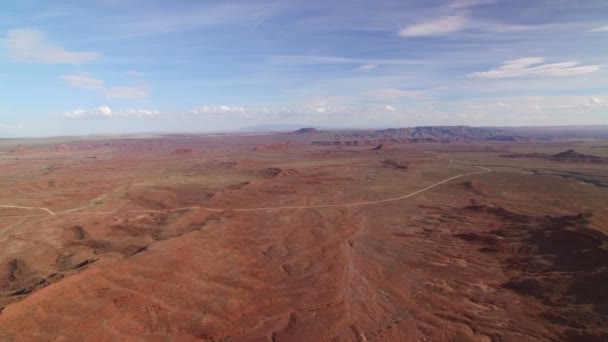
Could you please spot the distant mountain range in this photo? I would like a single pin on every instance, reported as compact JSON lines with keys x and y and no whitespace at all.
{"x":447,"y":134}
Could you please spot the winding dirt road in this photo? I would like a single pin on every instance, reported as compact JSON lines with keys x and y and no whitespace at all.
{"x":338,"y":205}
{"x":49,"y":211}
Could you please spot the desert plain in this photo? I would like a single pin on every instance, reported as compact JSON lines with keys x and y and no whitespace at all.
{"x":451,"y":234}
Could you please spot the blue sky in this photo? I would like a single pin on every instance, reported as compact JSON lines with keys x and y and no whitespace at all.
{"x":111,"y":66}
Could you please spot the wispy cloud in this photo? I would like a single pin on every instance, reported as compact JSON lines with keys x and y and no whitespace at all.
{"x":85,"y":81}
{"x":320,"y":59}
{"x":366,"y":67}
{"x":323,"y":109}
{"x":497,"y":27}
{"x":436,"y":27}
{"x":8,"y":127}
{"x":600,"y":29}
{"x":105,"y":112}
{"x":31,"y":45}
{"x":394,"y":94}
{"x":533,"y":66}
{"x":206,"y":112}
{"x":172,"y":19}
{"x":458,"y":4}
{"x":459,"y":18}
{"x":127,"y":92}
{"x":221,"y":110}
{"x":594,"y":100}
{"x":591,"y":103}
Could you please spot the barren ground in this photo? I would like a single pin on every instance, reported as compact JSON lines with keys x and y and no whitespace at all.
{"x":125,"y":239}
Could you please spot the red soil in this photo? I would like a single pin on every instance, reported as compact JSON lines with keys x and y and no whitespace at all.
{"x":19,"y":150}
{"x":280,"y":146}
{"x":60,"y":148}
{"x":525,"y":266}
{"x":183,"y":151}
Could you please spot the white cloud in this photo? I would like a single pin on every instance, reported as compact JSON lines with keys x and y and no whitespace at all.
{"x":458,"y":4}
{"x":366,"y":67}
{"x":600,"y":29}
{"x":458,"y":22}
{"x":85,"y":81}
{"x":328,"y":109}
{"x":99,"y":112}
{"x":536,"y":110}
{"x":590,"y":103}
{"x":436,"y":27}
{"x":208,"y":112}
{"x":219,"y":110}
{"x":107,"y":112}
{"x":532,"y":66}
{"x":31,"y":45}
{"x":139,"y":113}
{"x":595,"y":103}
{"x":235,"y":112}
{"x":393,"y":94}
{"x":522,"y":110}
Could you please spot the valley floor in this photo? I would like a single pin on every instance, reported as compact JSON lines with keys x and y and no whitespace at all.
{"x":420,"y":242}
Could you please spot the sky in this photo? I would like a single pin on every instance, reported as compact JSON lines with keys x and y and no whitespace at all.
{"x":76,"y":67}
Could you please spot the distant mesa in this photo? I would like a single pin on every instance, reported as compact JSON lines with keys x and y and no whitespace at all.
{"x":20,"y":150}
{"x":60,"y":148}
{"x":280,"y":146}
{"x":428,"y":134}
{"x":183,"y":151}
{"x":306,"y":130}
{"x":572,"y":155}
{"x":566,"y":156}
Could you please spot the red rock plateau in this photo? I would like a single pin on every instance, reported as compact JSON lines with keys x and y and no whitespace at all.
{"x":306,"y":130}
{"x":119,"y":240}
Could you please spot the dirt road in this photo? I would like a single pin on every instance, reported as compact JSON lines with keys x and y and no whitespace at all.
{"x":337,"y":205}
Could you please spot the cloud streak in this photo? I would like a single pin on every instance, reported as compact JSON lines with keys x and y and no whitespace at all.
{"x":459,"y":4}
{"x":367,"y":67}
{"x":436,"y":27}
{"x":117,"y":92}
{"x":533,"y":66}
{"x":321,"y":59}
{"x":600,"y":29}
{"x":105,"y":112}
{"x":31,"y":45}
{"x":394,"y":94}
